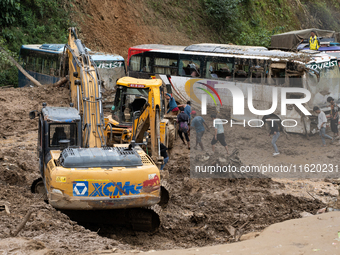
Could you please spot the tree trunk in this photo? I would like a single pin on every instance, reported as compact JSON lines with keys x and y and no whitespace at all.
{"x":35,"y":82}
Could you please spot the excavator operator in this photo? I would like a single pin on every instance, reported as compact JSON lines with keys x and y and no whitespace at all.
{"x":137,"y":104}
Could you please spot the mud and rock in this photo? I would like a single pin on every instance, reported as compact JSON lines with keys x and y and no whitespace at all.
{"x":200,"y":212}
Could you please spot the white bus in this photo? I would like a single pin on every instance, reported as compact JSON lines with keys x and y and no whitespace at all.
{"x":189,"y":72}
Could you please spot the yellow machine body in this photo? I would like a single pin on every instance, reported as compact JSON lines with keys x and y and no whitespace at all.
{"x":102,"y":188}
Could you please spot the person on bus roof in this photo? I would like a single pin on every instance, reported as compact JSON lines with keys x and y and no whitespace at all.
{"x":172,"y":104}
{"x":314,"y":42}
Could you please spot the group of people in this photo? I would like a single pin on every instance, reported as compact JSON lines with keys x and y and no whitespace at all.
{"x":322,"y":122}
{"x":186,"y":120}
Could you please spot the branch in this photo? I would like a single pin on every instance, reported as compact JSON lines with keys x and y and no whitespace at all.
{"x":22,"y":224}
{"x":35,"y":82}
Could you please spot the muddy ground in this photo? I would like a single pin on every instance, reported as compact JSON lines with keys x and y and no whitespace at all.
{"x":200,"y":211}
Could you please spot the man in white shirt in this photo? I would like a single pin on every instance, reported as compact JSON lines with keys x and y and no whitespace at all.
{"x":219,"y":133}
{"x":322,"y":121}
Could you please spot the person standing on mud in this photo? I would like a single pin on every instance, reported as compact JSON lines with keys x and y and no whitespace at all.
{"x":219,"y":133}
{"x":322,"y":121}
{"x":164,"y":154}
{"x":334,"y":116}
{"x":198,"y":124}
{"x":183,"y":126}
{"x":274,"y":130}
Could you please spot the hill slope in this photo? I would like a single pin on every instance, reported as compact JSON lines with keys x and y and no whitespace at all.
{"x":114,"y":26}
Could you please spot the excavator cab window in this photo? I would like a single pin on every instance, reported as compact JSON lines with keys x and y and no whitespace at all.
{"x":128,"y":101}
{"x":59,"y":132}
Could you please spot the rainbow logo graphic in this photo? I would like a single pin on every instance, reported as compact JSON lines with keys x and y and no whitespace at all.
{"x":189,"y":88}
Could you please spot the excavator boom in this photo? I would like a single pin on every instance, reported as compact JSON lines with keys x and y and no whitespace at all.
{"x":85,"y":91}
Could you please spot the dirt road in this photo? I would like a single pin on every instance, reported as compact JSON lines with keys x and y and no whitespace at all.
{"x":311,"y":235}
{"x":199,"y":211}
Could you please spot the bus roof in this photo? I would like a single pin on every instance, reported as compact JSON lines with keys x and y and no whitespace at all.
{"x":52,"y":48}
{"x":242,"y":51}
{"x":105,"y":56}
{"x":221,"y":48}
{"x":159,"y":47}
{"x":59,"y":48}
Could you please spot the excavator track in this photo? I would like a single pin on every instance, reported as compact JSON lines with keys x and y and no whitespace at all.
{"x":38,"y":187}
{"x":146,"y":219}
{"x":165,"y":193}
{"x":139,"y":219}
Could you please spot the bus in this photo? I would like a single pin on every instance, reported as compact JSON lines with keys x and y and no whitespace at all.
{"x":184,"y":69}
{"x":46,"y":63}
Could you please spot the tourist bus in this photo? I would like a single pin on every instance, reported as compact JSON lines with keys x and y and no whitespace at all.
{"x":188,"y":71}
{"x":46,"y":64}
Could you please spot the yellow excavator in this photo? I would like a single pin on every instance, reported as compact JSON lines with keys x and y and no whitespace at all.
{"x":139,"y":112}
{"x":79,"y":171}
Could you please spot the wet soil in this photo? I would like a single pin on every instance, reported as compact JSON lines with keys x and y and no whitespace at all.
{"x":200,"y":211}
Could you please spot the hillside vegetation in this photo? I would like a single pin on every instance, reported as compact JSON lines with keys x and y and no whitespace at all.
{"x":114,"y":26}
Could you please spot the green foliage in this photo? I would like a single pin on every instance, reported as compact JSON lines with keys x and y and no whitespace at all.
{"x":32,"y":22}
{"x":245,"y":22}
{"x":9,"y":73}
{"x":221,"y":13}
{"x":260,"y":37}
{"x":9,"y":10}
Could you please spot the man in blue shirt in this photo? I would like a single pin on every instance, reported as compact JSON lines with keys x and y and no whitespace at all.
{"x":172,"y":104}
{"x":187,"y":109}
{"x":198,"y":123}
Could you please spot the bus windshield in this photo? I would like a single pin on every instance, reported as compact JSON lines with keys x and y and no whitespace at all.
{"x":327,"y":84}
{"x":110,"y":72}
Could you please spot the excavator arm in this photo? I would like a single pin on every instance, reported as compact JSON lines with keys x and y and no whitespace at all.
{"x":85,"y":91}
{"x":149,"y":119}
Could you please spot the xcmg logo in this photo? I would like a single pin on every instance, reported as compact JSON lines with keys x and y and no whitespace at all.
{"x":238,"y":97}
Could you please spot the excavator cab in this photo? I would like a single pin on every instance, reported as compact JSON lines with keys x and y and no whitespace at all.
{"x":132,"y":98}
{"x":127,"y":101}
{"x":59,"y":128}
{"x":145,"y":98}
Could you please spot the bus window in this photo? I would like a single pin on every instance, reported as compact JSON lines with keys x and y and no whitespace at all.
{"x":241,"y":70}
{"x":219,"y":70}
{"x":277,"y":74}
{"x":165,"y":66}
{"x":257,"y":71}
{"x":38,"y":65}
{"x":135,"y":63}
{"x":189,"y":68}
{"x":30,"y":63}
{"x":46,"y":66}
{"x":146,"y":65}
{"x":54,"y":68}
